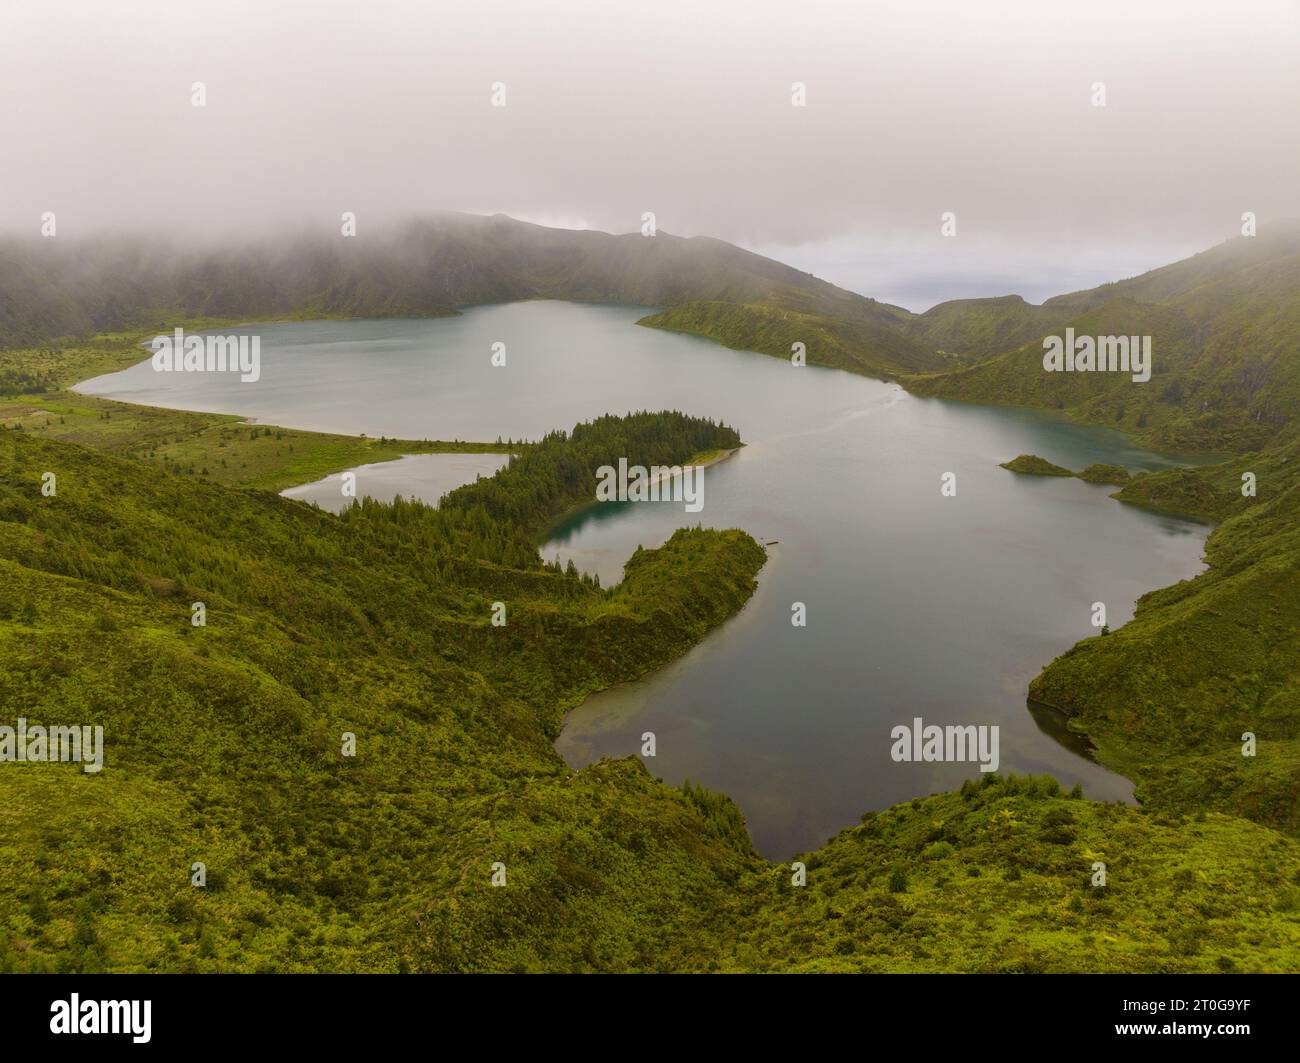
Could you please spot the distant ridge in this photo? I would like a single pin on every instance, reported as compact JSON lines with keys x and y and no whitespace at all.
{"x":1225,"y":328}
{"x":430,"y":266}
{"x":1225,"y":323}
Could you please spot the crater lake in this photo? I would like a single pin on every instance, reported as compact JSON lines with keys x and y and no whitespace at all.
{"x":917,"y":604}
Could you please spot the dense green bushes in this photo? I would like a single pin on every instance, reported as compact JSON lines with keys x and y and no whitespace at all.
{"x":223,"y":745}
{"x":223,"y":742}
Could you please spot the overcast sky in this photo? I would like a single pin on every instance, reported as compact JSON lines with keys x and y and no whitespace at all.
{"x":384,"y":107}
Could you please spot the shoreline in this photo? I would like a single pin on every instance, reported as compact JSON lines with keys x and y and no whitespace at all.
{"x":914,"y":384}
{"x":1184,"y":458}
{"x":550,"y":528}
{"x":184,"y":440}
{"x":712,"y":458}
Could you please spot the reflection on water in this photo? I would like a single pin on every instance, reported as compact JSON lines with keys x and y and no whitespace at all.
{"x":1055,"y":724}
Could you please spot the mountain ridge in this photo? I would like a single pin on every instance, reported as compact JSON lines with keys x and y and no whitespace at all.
{"x":1226,"y":372}
{"x":429,"y":266}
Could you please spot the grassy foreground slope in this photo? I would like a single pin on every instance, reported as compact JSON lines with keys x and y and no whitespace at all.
{"x":223,"y":744}
{"x":999,"y":877}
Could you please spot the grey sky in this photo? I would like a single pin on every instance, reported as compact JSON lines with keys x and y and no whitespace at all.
{"x":383,"y":108}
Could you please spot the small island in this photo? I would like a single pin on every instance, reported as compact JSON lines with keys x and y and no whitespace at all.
{"x":1098,"y":473}
{"x":1101,"y":473}
{"x":1033,"y":465}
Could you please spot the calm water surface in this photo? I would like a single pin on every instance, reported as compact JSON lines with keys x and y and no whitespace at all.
{"x":423,"y":476}
{"x":917,"y":604}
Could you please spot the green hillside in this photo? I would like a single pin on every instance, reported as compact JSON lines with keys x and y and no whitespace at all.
{"x":835,"y":335}
{"x":224,"y":742}
{"x":223,"y":745}
{"x":1000,"y":878}
{"x":970,"y":330}
{"x":1167,"y":698}
{"x":1224,"y":325}
{"x":1225,"y":328}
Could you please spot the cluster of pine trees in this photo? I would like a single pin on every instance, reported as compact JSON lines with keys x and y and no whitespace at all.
{"x":560,"y":471}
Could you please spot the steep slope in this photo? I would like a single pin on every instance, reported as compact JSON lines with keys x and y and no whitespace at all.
{"x":1236,"y":257}
{"x":1225,"y":329}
